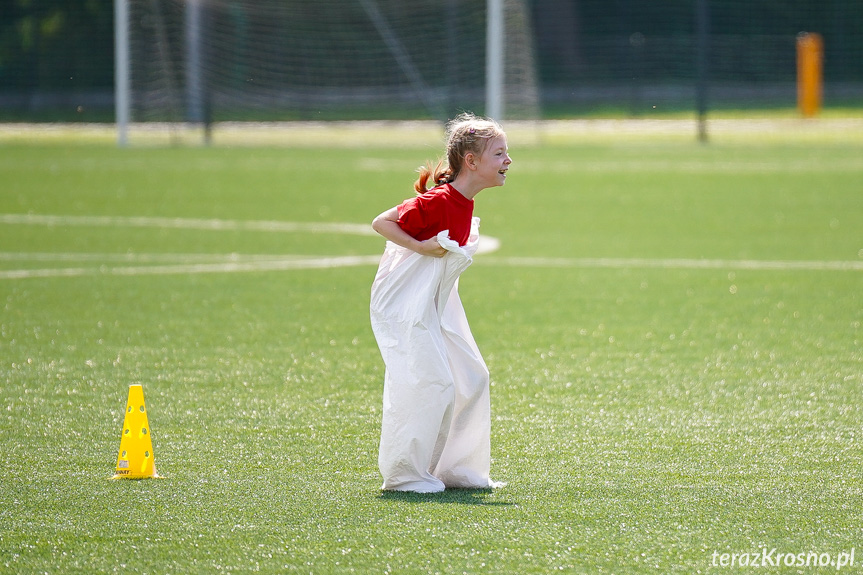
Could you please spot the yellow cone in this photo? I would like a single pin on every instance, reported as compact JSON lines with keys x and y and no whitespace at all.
{"x":135,"y":459}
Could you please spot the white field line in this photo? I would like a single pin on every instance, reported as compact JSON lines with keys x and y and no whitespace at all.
{"x":692,"y":264}
{"x":185,"y":263}
{"x":188,"y":224}
{"x":253,"y":265}
{"x":232,"y":263}
{"x":228,"y":263}
{"x":138,"y":258}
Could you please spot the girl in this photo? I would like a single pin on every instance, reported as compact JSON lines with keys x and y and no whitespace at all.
{"x":436,"y":425}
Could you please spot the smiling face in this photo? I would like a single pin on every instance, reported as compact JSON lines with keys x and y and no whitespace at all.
{"x":494,"y":162}
{"x":476,"y":153}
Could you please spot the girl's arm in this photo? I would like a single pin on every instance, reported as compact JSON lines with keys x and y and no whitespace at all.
{"x":387,"y":225}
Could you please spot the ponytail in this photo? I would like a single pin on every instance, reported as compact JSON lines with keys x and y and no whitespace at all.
{"x":440,"y":174}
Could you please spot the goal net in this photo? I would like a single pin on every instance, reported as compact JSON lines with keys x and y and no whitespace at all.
{"x":196,"y":62}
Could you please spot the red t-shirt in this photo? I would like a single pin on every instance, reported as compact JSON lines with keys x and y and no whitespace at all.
{"x":441,"y":208}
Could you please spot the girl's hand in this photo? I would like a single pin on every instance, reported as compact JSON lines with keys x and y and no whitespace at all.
{"x":387,"y":225}
{"x":431,"y":247}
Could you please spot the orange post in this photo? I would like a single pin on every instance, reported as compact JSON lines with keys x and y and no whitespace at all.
{"x":810,"y":81}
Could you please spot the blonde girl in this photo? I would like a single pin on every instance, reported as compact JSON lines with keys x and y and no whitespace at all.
{"x":435,"y":429}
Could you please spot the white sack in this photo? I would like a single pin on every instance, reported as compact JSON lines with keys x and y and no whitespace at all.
{"x":436,"y":414}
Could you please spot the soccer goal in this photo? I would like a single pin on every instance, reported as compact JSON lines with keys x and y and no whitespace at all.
{"x":185,"y":66}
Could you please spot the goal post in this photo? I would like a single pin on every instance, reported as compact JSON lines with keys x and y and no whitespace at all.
{"x":183,"y":63}
{"x":494,"y":53}
{"x":122,"y":86}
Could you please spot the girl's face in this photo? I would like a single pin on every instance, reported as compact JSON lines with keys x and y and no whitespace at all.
{"x":494,"y":162}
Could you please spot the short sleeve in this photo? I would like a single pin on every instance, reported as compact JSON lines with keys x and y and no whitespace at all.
{"x":424,"y":216}
{"x":412,"y":217}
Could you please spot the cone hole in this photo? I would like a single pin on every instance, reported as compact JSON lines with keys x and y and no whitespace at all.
{"x":142,"y":409}
{"x":129,"y":410}
{"x":143,"y":431}
{"x":126,"y":432}
{"x":146,"y":454}
{"x":124,"y":453}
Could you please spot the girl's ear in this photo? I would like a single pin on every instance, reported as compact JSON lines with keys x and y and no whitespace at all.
{"x":470,"y":160}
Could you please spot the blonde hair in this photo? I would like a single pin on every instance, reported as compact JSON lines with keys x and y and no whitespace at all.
{"x":464,"y":133}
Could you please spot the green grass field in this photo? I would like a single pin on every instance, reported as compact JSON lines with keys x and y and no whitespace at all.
{"x":673,"y":333}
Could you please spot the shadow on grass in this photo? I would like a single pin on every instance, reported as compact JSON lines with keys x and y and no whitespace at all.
{"x":457,"y":496}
